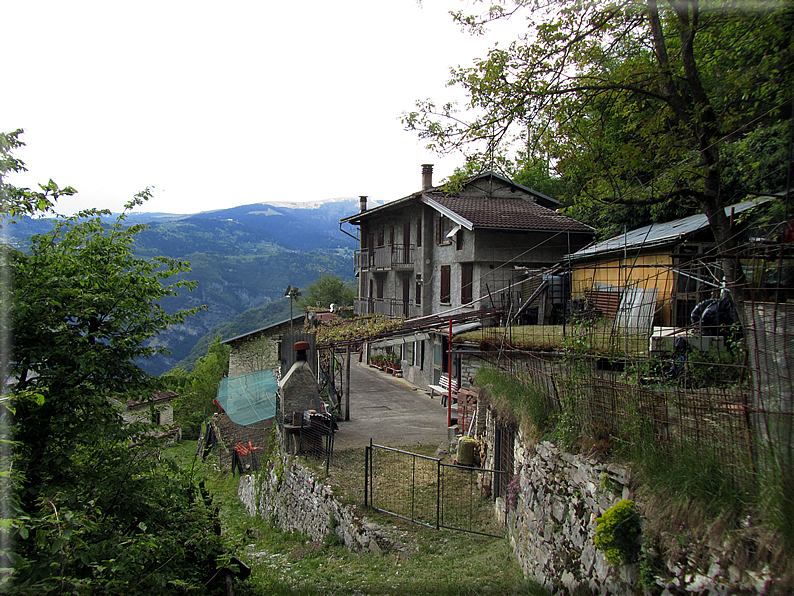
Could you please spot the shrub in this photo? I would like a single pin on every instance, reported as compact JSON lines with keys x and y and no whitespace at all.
{"x":617,"y":532}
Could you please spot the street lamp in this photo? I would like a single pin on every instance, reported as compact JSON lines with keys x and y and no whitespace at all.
{"x":293,"y":293}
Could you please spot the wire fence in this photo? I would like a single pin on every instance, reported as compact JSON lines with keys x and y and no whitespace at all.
{"x":424,"y":490}
{"x":653,"y":347}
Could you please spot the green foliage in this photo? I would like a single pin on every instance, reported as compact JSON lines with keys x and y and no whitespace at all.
{"x":17,"y":202}
{"x":359,"y":328}
{"x":84,"y":309}
{"x":715,"y":368}
{"x":429,"y":561}
{"x":694,"y":472}
{"x":617,"y":533}
{"x":516,"y":398}
{"x":329,"y":289}
{"x":198,"y":388}
{"x":91,"y":506}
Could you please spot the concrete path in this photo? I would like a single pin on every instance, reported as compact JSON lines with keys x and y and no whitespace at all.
{"x":390,"y":411}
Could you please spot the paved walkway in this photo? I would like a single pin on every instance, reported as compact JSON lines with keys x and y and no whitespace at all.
{"x":390,"y":411}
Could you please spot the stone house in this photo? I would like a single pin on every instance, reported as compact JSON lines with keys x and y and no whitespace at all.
{"x":451,"y":252}
{"x":157,"y":411}
{"x":141,"y":411}
{"x":259,"y":349}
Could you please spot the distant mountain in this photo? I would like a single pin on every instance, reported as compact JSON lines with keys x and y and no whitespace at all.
{"x":295,"y":226}
{"x":243,"y":258}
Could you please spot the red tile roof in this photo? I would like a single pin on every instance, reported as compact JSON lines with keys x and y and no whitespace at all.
{"x":509,"y":213}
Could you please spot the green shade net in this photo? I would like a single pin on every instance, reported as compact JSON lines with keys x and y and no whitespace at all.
{"x":250,"y":397}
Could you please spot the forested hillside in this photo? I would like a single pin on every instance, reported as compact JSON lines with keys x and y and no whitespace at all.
{"x":243,"y":258}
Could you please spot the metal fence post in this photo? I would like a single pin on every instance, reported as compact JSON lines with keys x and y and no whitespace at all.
{"x":438,"y":494}
{"x":367,"y":455}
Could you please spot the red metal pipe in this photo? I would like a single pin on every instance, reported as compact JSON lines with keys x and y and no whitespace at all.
{"x":449,"y":375}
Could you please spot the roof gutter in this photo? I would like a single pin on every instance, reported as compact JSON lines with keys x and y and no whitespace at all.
{"x":446,"y":212}
{"x":346,"y":232}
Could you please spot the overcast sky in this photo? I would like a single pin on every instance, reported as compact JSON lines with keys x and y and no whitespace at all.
{"x":227,"y":103}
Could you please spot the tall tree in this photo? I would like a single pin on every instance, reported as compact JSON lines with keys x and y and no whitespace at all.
{"x":642,"y":98}
{"x":87,"y":504}
{"x":329,"y":289}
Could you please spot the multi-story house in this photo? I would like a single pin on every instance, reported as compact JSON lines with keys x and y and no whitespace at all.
{"x":436,"y":251}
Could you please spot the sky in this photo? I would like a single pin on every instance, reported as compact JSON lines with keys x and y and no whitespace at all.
{"x":218,"y":104}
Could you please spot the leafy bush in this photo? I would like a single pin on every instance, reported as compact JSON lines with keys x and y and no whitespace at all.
{"x":617,"y":532}
{"x":198,"y":388}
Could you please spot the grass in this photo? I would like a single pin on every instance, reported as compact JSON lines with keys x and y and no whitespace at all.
{"x":594,"y":339}
{"x":431,"y":562}
{"x":516,"y":399}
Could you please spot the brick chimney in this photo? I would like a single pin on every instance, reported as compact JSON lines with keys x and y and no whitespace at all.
{"x":362,"y":203}
{"x":427,"y":176}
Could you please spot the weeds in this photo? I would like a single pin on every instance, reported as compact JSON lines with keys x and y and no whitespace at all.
{"x":516,"y":398}
{"x":692,"y":471}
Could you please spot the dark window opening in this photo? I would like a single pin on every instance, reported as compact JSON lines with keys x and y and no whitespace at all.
{"x":442,"y":229}
{"x":446,"y":290}
{"x":466,"y":282}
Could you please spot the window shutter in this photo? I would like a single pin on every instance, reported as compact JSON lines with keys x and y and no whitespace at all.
{"x":445,"y":284}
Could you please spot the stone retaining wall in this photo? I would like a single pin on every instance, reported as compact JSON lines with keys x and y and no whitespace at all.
{"x":296,"y":500}
{"x":557,"y":498}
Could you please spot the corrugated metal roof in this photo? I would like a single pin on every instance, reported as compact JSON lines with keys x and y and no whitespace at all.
{"x":658,"y":233}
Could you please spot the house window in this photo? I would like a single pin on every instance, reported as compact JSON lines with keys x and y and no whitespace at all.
{"x":466,"y":282}
{"x":391,"y":236}
{"x":459,"y":240}
{"x":442,"y":229}
{"x":418,"y":290}
{"x":419,"y":232}
{"x":380,"y":237}
{"x":445,"y":285}
{"x":380,"y":281}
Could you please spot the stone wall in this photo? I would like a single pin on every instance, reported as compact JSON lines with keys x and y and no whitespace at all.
{"x":558,"y":497}
{"x":230,"y":433}
{"x":296,"y":500}
{"x":554,"y":502}
{"x":257,"y":352}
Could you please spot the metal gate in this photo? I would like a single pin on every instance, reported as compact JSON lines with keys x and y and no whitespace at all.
{"x":424,"y":490}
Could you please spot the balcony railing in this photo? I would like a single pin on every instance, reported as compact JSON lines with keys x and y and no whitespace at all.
{"x":391,"y":308}
{"x":399,"y":256}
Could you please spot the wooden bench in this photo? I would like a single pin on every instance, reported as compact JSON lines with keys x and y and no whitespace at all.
{"x":443,"y":389}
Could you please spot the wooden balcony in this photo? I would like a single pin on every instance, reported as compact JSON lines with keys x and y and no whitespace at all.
{"x":399,"y":256}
